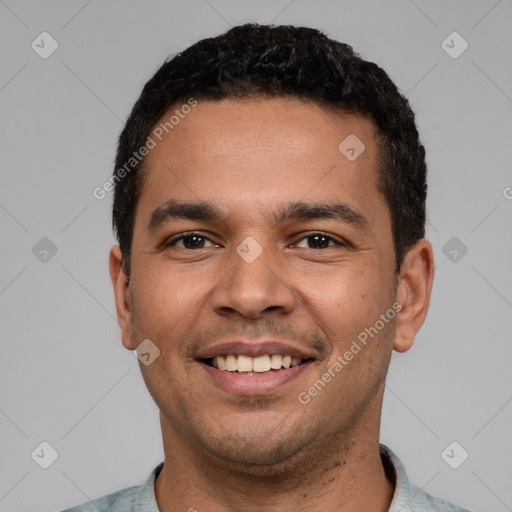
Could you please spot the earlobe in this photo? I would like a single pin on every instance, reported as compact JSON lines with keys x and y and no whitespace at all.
{"x":121,"y":285}
{"x":413,"y":293}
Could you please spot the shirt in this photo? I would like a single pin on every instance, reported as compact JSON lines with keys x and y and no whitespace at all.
{"x":406,"y":498}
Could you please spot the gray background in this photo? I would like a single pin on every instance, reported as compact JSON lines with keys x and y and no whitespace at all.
{"x":65,"y":378}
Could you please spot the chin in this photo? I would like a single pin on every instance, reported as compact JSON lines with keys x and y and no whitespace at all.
{"x":256,"y":453}
{"x":257,"y":462}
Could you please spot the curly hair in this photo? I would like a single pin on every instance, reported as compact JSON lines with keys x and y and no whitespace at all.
{"x":265,"y":61}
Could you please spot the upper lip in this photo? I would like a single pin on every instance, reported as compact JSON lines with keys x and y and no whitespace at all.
{"x":253,"y":349}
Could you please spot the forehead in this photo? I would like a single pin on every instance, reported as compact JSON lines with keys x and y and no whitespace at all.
{"x":242,"y":153}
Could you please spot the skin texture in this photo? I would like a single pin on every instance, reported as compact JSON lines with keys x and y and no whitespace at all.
{"x":226,"y":451}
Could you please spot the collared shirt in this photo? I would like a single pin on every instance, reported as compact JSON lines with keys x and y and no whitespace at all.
{"x":407,"y":497}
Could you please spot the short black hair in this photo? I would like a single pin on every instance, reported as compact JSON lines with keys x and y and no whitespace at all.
{"x":266,"y":61}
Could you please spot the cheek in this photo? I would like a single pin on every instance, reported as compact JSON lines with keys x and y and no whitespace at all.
{"x":345,"y":302}
{"x":165,"y":299}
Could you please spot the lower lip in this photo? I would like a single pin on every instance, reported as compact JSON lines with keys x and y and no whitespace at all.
{"x":254,"y":384}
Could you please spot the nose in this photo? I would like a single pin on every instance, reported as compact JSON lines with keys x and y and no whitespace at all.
{"x":253,"y":289}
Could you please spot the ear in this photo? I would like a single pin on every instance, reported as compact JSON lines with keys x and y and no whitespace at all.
{"x":413,"y":293}
{"x":121,"y":286}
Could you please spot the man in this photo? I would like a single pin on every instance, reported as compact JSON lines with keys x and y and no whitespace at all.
{"x":270,"y":192}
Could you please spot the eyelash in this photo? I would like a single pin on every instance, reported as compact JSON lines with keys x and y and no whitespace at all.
{"x":172,"y":241}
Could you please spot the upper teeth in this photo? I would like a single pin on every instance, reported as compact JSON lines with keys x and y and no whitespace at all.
{"x":233,"y":363}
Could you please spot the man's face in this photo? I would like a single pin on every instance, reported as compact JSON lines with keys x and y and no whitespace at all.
{"x":267,"y":167}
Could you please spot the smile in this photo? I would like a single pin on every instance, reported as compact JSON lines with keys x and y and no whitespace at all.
{"x":232,"y":373}
{"x":249,"y":366}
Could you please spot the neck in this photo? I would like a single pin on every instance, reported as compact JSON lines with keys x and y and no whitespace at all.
{"x":347,"y":476}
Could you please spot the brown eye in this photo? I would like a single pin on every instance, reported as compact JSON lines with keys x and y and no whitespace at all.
{"x":190,"y":241}
{"x":318,"y":241}
{"x":193,"y":242}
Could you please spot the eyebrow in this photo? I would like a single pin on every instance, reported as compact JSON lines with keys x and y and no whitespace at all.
{"x":172,"y":210}
{"x":208,"y":212}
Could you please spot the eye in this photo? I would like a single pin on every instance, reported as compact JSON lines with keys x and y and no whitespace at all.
{"x":190,"y":241}
{"x":318,"y":241}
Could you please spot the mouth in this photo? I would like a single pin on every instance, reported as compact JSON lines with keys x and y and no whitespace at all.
{"x":254,"y":366}
{"x":243,"y":375}
{"x":261,"y":367}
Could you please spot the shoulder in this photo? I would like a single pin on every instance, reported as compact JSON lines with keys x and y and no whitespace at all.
{"x":424,"y":502}
{"x":119,"y":501}
{"x":408,"y":497}
{"x":139,"y":498}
